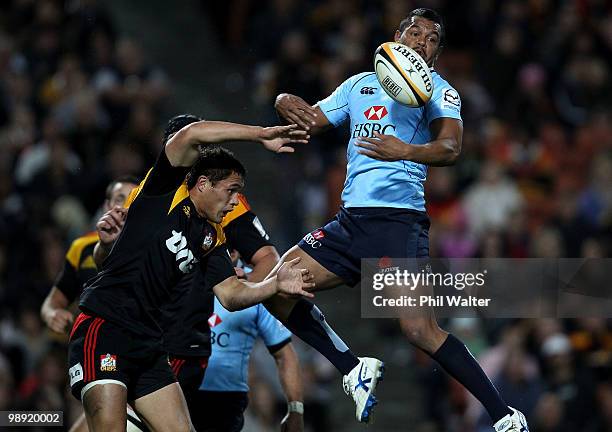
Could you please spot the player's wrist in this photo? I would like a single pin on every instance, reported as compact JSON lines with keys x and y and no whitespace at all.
{"x":296,"y":407}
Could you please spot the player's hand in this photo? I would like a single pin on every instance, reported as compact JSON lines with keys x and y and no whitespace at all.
{"x":294,"y":281}
{"x":277,"y":138}
{"x":240,"y":273}
{"x":383,"y":147}
{"x":111,"y":223}
{"x":60,"y":321}
{"x":296,"y":110}
{"x":293,"y":422}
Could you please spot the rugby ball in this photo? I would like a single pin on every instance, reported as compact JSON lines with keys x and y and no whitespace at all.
{"x":403,"y":74}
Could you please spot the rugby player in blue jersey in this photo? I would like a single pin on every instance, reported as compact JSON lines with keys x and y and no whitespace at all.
{"x":383,"y":213}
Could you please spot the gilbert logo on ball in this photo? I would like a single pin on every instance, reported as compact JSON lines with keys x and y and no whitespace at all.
{"x":403,"y":74}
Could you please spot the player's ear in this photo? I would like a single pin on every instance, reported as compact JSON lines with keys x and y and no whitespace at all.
{"x":398,"y":34}
{"x":203,"y":182}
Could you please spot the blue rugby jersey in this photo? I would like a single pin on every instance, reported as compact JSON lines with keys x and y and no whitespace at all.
{"x":233,"y":335}
{"x":373,"y":183}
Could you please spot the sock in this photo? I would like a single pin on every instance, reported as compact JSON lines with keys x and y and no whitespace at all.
{"x":457,"y":360}
{"x":307,"y":322}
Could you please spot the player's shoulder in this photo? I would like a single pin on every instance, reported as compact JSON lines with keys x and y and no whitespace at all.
{"x":444,"y":93}
{"x":78,"y":245}
{"x":442,"y":86}
{"x":361,"y":81}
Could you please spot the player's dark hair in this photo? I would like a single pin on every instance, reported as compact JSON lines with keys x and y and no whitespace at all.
{"x":216,"y":163}
{"x":122,"y":179}
{"x":429,"y":14}
{"x":177,"y":123}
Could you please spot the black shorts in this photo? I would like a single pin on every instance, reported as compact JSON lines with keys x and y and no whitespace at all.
{"x":189,"y":372}
{"x":367,"y":232}
{"x":100,"y":351}
{"x":219,"y":411}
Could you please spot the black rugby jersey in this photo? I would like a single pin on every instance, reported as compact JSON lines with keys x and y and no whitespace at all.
{"x":186,"y":329}
{"x":163,"y":240}
{"x":79,"y":266}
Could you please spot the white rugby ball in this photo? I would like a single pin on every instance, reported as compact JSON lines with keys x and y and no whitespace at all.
{"x":403,"y":74}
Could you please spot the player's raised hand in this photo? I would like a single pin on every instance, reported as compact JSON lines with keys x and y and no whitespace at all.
{"x":111,"y":223}
{"x":294,"y":281}
{"x":60,"y":321}
{"x":383,"y":147}
{"x":296,"y":110}
{"x":278,"y":138}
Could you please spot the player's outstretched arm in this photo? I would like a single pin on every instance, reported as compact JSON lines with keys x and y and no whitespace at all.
{"x":54,"y":311}
{"x":289,"y":373}
{"x":443,"y":150}
{"x":235,"y":294}
{"x":294,"y":109}
{"x":182,"y":148}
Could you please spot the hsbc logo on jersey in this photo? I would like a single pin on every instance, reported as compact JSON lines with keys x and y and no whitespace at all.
{"x":369,"y":129}
{"x":376,"y":112}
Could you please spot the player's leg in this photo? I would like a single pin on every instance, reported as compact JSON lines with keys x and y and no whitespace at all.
{"x":324,"y":254}
{"x":104,"y":406}
{"x":80,"y":425}
{"x":305,"y":319}
{"x":157,"y":397}
{"x":164,"y":410}
{"x":189,"y":372}
{"x":97,"y":377}
{"x":423,"y":332}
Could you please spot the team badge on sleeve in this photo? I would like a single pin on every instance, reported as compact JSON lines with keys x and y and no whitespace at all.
{"x":451,"y":100}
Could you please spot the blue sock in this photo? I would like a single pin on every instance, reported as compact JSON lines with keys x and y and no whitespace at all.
{"x":455,"y":358}
{"x":307,"y":322}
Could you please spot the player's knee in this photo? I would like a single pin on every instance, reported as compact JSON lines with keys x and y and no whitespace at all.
{"x":420,"y":331}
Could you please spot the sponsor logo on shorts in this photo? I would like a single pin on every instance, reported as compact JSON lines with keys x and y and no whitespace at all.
{"x":108,"y":363}
{"x":75,"y":373}
{"x":318,"y":234}
{"x":310,"y":240}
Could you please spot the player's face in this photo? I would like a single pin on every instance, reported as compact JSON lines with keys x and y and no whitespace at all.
{"x":220,"y":198}
{"x":119,"y":194}
{"x":423,"y":36}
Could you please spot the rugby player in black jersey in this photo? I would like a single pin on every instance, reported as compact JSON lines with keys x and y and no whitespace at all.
{"x":186,"y":330}
{"x":116,"y":353}
{"x":79,"y":265}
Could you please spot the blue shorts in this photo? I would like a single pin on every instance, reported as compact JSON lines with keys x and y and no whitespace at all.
{"x":367,"y":232}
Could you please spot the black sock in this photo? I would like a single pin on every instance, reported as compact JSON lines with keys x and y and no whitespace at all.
{"x":308,"y":323}
{"x":455,"y":358}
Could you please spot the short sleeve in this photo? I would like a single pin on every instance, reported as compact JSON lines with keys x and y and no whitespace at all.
{"x":68,"y":282}
{"x":247,"y":235}
{"x":218,"y":266}
{"x":445,"y":102}
{"x":336,"y":105}
{"x":270,"y":329}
